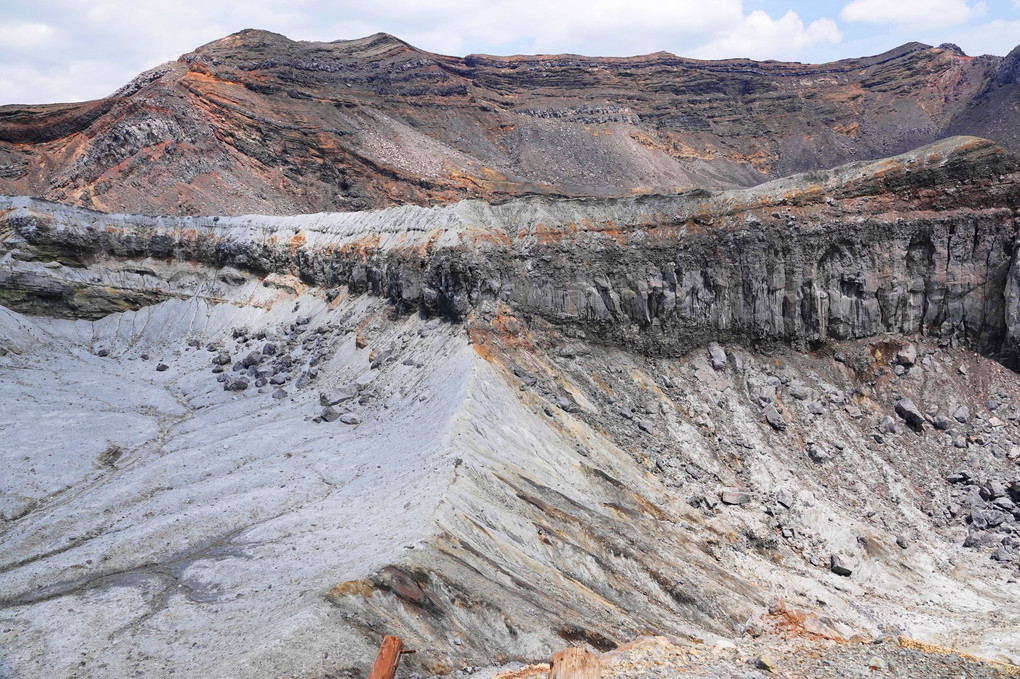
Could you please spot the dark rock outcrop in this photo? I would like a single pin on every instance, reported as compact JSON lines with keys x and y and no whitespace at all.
{"x":922,"y":243}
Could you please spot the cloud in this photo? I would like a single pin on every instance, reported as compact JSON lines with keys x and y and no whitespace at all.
{"x":993,"y":37}
{"x":129,"y":36}
{"x":758,"y":36}
{"x":26,"y":35}
{"x":918,"y":14}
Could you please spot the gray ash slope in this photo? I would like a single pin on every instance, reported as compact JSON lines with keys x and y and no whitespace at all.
{"x":532,"y":445}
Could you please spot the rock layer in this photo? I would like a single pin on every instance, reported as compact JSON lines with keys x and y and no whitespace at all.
{"x":925,"y":242}
{"x":257,"y":123}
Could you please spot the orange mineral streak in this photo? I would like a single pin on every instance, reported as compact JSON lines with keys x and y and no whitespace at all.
{"x":505,"y":333}
{"x":794,"y":622}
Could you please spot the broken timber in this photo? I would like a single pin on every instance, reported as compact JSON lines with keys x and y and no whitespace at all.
{"x":385,"y":665}
{"x":575,"y":663}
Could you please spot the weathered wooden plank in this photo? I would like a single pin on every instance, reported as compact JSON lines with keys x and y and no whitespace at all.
{"x":575,"y":663}
{"x":385,"y":665}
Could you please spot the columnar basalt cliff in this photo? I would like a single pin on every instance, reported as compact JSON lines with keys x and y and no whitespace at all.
{"x":257,"y":123}
{"x":921,"y":243}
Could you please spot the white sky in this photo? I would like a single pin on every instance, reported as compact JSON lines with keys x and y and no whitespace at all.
{"x":71,"y":50}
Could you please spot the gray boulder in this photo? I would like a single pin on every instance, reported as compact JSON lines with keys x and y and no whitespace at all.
{"x":717,"y":355}
{"x":331,"y":397}
{"x":887,"y":425}
{"x":774,"y":417}
{"x":841,"y":565}
{"x":252,"y":359}
{"x":350,"y":418}
{"x":910,"y":413}
{"x":961,"y":414}
{"x":734,"y":497}
{"x":907,"y":355}
{"x":235,"y":384}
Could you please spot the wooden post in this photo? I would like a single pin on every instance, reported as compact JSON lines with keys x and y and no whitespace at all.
{"x":575,"y":663}
{"x":385,"y":665}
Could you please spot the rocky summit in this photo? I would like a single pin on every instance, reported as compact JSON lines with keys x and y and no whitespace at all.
{"x":708,"y":367}
{"x":256,"y":123}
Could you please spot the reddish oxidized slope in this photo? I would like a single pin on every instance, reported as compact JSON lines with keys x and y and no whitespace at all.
{"x":258,"y":123}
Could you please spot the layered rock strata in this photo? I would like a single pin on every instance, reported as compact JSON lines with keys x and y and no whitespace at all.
{"x":923,"y":242}
{"x":257,"y":123}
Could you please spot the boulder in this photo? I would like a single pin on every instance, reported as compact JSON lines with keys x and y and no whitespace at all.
{"x":774,"y":417}
{"x":840,"y":565}
{"x":910,"y":413}
{"x":252,"y":359}
{"x":887,"y":425}
{"x":717,"y":356}
{"x":235,"y":384}
{"x":907,"y":355}
{"x":734,"y":497}
{"x":785,"y":498}
{"x":331,"y":397}
{"x":961,"y":414}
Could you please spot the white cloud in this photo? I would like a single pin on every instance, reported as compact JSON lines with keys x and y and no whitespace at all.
{"x":119,"y":36}
{"x":26,"y":35}
{"x":759,"y":36}
{"x":918,"y":14}
{"x":993,"y":37}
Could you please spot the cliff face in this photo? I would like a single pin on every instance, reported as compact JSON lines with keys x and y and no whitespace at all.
{"x":494,"y":429}
{"x":921,"y":243}
{"x":256,"y":123}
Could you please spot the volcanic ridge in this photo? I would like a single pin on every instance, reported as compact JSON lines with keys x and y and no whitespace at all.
{"x":304,"y":344}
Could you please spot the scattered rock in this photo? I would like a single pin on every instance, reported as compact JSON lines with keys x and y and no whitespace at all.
{"x":906,"y":409}
{"x":785,"y":498}
{"x":235,"y":384}
{"x":231,"y":276}
{"x":887,"y":425}
{"x":252,"y":359}
{"x":961,"y":414}
{"x":330,"y":414}
{"x":774,"y":417}
{"x":717,"y":355}
{"x":734,"y":497}
{"x":907,"y":355}
{"x":346,"y":392}
{"x":765,"y":662}
{"x":840,"y":565}
{"x":162,"y":367}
